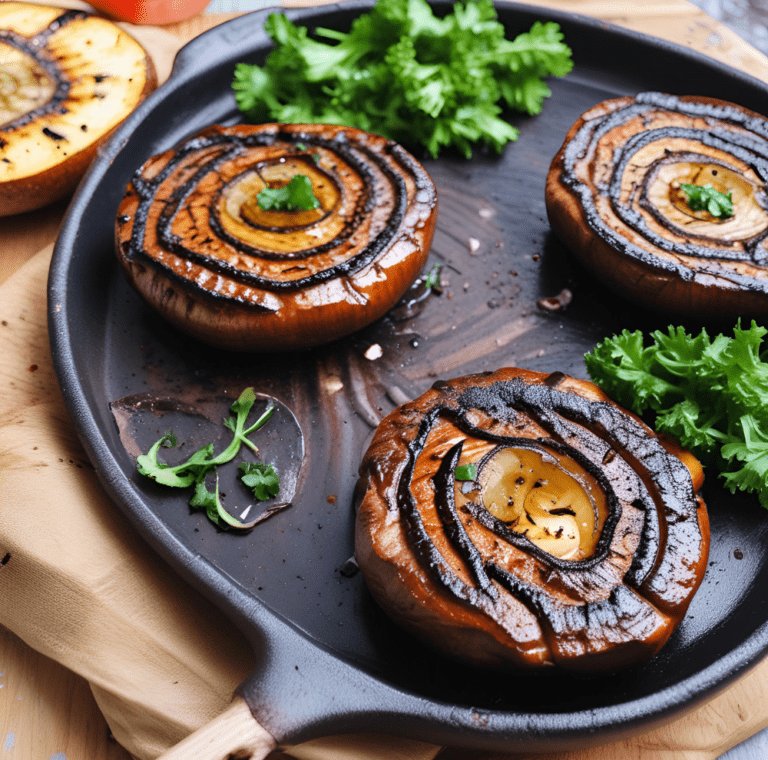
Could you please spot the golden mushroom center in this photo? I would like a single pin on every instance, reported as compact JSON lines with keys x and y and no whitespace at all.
{"x":247,"y":221}
{"x":548,"y":498}
{"x":24,"y":86}
{"x":749,"y":218}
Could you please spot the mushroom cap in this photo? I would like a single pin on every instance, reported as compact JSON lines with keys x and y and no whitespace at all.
{"x":613,"y":197}
{"x":447,"y":564}
{"x":193,"y":240}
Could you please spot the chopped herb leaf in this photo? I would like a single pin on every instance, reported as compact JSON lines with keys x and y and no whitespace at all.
{"x":210,"y":502}
{"x":261,"y":478}
{"x":466,"y":472}
{"x":195,"y":470}
{"x":433,"y":278}
{"x":709,"y":394}
{"x":406,"y":74}
{"x":297,"y":195}
{"x":180,"y":475}
{"x":706,"y":198}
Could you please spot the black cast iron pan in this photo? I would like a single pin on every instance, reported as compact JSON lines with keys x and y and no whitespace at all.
{"x":329,"y":662}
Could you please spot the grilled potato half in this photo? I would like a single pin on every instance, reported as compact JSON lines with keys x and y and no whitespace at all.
{"x":67,"y":80}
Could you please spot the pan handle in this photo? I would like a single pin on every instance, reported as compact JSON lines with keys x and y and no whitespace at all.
{"x":234,"y":733}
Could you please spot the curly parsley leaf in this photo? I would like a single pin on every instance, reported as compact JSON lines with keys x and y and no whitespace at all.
{"x":406,"y":74}
{"x":752,"y":451}
{"x":297,"y":195}
{"x":710,"y":394}
{"x":261,"y":478}
{"x":706,"y":198}
{"x":628,"y":372}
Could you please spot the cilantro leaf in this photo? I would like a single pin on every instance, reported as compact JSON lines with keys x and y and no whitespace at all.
{"x":194,"y":471}
{"x":261,"y":478}
{"x":297,"y":195}
{"x":706,"y":198}
{"x":404,"y":73}
{"x":709,"y":393}
{"x":214,"y":509}
{"x":242,"y":408}
{"x":178,"y":476}
{"x":202,"y":498}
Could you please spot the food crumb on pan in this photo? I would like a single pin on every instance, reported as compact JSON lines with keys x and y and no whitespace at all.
{"x":556,"y":303}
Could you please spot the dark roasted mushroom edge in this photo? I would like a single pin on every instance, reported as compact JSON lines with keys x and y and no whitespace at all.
{"x":580,"y":542}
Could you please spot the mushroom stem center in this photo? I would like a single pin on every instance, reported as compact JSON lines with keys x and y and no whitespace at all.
{"x":546,"y":497}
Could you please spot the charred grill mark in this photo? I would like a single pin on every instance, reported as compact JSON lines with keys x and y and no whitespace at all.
{"x":65,"y":18}
{"x":55,"y":136}
{"x":557,"y":412}
{"x":750,"y":244}
{"x":719,"y":139}
{"x":445,"y":501}
{"x":420,"y":542}
{"x":570,"y":627}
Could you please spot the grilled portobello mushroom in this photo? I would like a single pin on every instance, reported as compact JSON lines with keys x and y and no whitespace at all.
{"x":194,"y":240}
{"x":517,"y":519}
{"x":616,"y":196}
{"x":67,"y":80}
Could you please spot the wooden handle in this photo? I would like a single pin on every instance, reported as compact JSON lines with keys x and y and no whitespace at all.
{"x":234,"y":735}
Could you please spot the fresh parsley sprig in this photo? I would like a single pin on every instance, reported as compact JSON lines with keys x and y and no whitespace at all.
{"x":179,"y":476}
{"x":432,"y":280}
{"x":706,"y":198}
{"x":194,"y":471}
{"x":466,"y":472}
{"x":261,"y":478}
{"x":297,"y":195}
{"x":404,"y":73}
{"x":711,"y":394}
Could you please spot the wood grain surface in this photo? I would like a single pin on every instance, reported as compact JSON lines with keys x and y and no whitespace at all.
{"x":48,"y":713}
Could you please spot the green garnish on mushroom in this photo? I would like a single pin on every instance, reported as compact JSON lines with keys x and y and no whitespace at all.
{"x":706,"y":198}
{"x":297,"y":195}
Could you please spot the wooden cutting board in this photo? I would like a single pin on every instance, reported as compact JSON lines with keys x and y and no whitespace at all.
{"x":37,"y":696}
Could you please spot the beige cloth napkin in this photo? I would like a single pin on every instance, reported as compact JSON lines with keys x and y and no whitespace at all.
{"x":78,"y":584}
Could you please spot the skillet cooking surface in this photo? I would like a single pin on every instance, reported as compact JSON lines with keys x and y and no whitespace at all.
{"x":329,"y":659}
